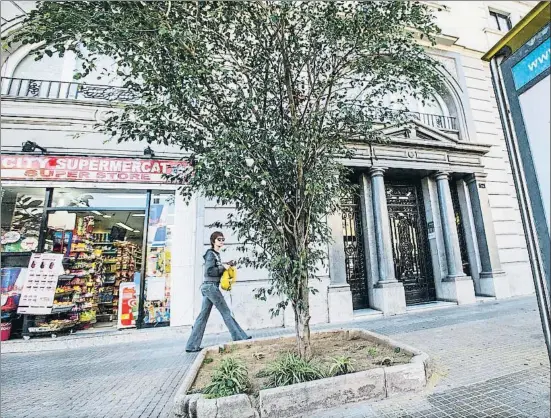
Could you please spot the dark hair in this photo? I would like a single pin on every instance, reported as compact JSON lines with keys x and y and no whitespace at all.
{"x":214,"y":235}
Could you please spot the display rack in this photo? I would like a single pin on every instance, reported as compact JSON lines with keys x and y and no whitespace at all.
{"x":107,"y":253}
{"x":87,"y":291}
{"x":75,"y":299}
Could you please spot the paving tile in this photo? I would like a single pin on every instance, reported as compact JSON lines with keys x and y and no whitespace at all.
{"x":491,"y":358}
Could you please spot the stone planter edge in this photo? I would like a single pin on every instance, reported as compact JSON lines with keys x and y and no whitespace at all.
{"x":417,"y":372}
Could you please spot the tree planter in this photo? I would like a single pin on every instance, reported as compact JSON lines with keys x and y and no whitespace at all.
{"x":293,"y":400}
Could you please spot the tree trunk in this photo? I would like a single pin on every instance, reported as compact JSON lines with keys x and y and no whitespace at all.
{"x":302,"y":323}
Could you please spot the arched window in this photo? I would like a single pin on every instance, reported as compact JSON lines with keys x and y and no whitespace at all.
{"x":444,"y":110}
{"x":53,"y":77}
{"x":434,"y":111}
{"x":104,"y":73}
{"x":57,"y":68}
{"x":48,"y":68}
{"x":434,"y":105}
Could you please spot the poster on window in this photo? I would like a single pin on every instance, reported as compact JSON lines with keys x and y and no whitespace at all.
{"x":157,"y":279}
{"x":13,"y":279}
{"x":128,"y":305}
{"x":37,"y":296}
{"x":22,"y":210}
{"x":535,"y":108}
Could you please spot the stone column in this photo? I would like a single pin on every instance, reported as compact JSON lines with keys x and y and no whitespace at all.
{"x":459,"y":286}
{"x":493,"y":281}
{"x":388,"y":293}
{"x":382,"y":227}
{"x":339,"y":296}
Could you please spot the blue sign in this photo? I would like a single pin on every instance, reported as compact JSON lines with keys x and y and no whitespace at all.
{"x":532,"y":65}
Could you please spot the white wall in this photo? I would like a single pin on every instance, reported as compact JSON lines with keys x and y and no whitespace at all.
{"x":501,"y":191}
{"x":183,"y":262}
{"x":470,"y":20}
{"x":248,"y":311}
{"x":475,"y":38}
{"x":53,"y":124}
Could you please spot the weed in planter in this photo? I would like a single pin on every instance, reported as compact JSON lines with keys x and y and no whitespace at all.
{"x":225,"y":349}
{"x":290,"y":369}
{"x":372,"y":351}
{"x":397,"y":350}
{"x":229,"y":378}
{"x":341,"y":365}
{"x":354,"y":348}
{"x":194,"y":391}
{"x":208,"y":361}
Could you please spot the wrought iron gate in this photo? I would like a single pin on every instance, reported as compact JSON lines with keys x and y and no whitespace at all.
{"x":410,"y":241}
{"x":460,"y":230}
{"x":354,"y":252}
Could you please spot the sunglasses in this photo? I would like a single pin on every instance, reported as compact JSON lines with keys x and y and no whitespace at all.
{"x":221,"y":239}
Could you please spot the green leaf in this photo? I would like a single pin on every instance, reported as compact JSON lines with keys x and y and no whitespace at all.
{"x":228,"y":82}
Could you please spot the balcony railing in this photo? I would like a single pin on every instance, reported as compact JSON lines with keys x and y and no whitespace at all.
{"x":444,"y":123}
{"x":47,"y":89}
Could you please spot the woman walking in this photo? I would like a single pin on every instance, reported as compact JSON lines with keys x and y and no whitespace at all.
{"x":212,"y":296}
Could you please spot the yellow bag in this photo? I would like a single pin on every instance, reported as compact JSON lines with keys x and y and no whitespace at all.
{"x":228,"y":278}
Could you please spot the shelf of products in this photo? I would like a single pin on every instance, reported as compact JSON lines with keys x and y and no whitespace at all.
{"x":88,"y":289}
{"x":123,"y":269}
{"x":53,"y":327}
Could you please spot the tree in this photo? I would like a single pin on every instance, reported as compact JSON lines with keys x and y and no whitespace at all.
{"x":267,"y":97}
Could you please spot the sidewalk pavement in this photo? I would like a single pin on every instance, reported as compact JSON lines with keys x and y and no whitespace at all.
{"x":490,"y":361}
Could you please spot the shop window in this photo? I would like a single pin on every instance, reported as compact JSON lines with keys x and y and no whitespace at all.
{"x":22,"y":210}
{"x":158,"y":261}
{"x":96,"y":198}
{"x":500,"y":21}
{"x":102,"y":260}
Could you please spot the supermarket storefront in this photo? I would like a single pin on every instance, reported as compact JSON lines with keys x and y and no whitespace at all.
{"x":89,"y":242}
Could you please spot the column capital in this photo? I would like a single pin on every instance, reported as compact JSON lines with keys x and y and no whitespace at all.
{"x":377,"y":171}
{"x":441,"y":176}
{"x":478,"y":177}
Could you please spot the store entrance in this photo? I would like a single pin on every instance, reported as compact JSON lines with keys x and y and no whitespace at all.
{"x":102,"y":249}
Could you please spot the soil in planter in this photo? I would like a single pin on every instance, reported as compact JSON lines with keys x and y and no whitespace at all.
{"x":325,"y":347}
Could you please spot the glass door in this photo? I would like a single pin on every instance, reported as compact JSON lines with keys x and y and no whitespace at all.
{"x":158,"y":244}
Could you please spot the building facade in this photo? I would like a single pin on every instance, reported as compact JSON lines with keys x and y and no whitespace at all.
{"x":437,"y":217}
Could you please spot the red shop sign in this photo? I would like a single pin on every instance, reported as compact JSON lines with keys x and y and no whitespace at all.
{"x":117,"y":170}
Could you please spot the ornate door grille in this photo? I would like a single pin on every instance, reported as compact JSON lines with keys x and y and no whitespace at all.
{"x":460,"y":230}
{"x":354,"y":252}
{"x":410,"y":242}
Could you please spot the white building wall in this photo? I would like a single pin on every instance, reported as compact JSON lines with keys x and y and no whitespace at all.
{"x":249,"y":312}
{"x":475,"y":37}
{"x":466,"y":37}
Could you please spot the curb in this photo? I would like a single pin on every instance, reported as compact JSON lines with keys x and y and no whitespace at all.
{"x":96,"y":339}
{"x":293,"y":400}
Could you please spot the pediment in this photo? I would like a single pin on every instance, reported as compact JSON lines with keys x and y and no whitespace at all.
{"x":418,"y":131}
{"x":417,"y":135}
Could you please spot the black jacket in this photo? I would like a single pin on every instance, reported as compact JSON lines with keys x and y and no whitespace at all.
{"x":213,"y":266}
